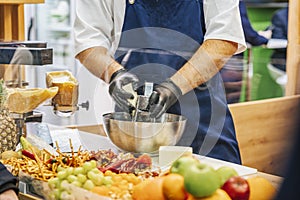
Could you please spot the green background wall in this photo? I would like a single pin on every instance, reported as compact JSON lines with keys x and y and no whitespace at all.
{"x":262,"y":85}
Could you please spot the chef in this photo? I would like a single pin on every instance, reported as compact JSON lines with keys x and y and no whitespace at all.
{"x":180,"y":46}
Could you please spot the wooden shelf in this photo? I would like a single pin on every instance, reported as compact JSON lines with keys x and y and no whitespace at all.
{"x":21,"y":1}
{"x":12,"y":18}
{"x":12,"y":23}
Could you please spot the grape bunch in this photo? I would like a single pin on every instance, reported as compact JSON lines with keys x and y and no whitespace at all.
{"x":87,"y":176}
{"x":90,"y":178}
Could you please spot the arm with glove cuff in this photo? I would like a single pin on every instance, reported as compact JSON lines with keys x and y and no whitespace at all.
{"x":102,"y":65}
{"x":203,"y":65}
{"x":8,"y":184}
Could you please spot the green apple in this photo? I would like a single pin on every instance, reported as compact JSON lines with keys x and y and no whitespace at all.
{"x":182,"y":164}
{"x":225,"y":172}
{"x":201,"y":180}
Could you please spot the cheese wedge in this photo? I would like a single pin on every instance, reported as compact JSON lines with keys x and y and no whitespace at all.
{"x":168,"y":154}
{"x":128,"y":88}
{"x":25,"y":100}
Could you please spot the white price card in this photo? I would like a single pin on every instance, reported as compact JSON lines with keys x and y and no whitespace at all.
{"x":65,"y":138}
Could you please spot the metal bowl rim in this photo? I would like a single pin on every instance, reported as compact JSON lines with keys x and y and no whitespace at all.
{"x":180,"y":118}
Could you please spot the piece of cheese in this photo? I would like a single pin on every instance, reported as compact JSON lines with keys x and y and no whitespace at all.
{"x":128,"y":88}
{"x":23,"y":100}
{"x":68,"y":87}
{"x":168,"y":154}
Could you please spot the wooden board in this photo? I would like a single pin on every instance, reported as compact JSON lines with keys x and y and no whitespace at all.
{"x":12,"y":22}
{"x":265,"y":130}
{"x":293,"y":49}
{"x":12,"y":26}
{"x":12,"y":19}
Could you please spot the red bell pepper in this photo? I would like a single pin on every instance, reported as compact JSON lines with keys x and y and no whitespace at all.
{"x":28,"y":154}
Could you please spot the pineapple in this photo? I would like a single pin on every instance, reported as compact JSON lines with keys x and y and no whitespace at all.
{"x":8,"y":128}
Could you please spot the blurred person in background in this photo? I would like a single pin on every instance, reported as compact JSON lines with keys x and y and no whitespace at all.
{"x":8,"y":184}
{"x":253,"y":37}
{"x":180,"y":45}
{"x":232,"y":72}
{"x":277,"y":64}
{"x":280,"y":28}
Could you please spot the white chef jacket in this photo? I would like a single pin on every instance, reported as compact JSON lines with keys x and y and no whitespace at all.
{"x":99,"y":23}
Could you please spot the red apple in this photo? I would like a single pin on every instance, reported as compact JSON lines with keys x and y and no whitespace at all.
{"x":237,"y":188}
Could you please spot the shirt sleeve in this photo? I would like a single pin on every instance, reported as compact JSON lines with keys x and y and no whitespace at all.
{"x":280,"y":22}
{"x":93,"y":24}
{"x":251,"y":35}
{"x":223,"y":21}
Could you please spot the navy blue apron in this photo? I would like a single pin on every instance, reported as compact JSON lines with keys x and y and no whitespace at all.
{"x":158,"y":37}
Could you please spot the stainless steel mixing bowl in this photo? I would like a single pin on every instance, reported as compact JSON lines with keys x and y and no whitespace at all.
{"x":146,"y":136}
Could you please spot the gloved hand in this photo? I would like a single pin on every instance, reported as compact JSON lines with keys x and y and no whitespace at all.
{"x":163,"y":97}
{"x":119,"y":79}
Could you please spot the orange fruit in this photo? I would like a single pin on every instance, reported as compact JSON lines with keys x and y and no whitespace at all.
{"x":218,"y":195}
{"x":101,"y":190}
{"x":260,"y":188}
{"x":173,"y":187}
{"x":149,"y":189}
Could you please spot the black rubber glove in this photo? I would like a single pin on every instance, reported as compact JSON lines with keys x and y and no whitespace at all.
{"x":163,"y":97}
{"x":119,"y":79}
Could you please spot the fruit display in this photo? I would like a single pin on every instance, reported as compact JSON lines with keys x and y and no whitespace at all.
{"x":107,"y":175}
{"x":103,"y":172}
{"x":189,"y":179}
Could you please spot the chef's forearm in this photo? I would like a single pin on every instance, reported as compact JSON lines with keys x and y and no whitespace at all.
{"x":204,"y":64}
{"x":99,"y":62}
